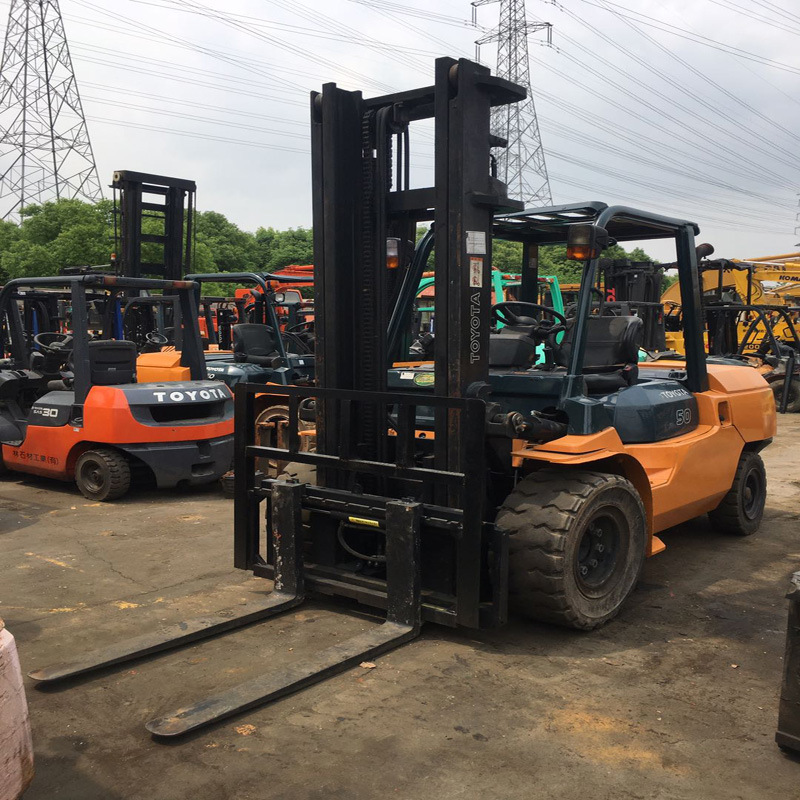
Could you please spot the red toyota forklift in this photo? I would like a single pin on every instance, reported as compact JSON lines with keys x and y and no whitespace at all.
{"x":72,"y":409}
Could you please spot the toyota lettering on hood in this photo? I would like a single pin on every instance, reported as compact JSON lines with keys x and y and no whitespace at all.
{"x":192,"y":395}
{"x":147,"y":394}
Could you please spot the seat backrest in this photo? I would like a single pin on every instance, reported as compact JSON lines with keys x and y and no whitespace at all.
{"x":511,"y":349}
{"x":610,"y":341}
{"x":253,"y":340}
{"x":111,"y":362}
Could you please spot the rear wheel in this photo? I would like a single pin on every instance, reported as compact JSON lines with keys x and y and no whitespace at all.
{"x":793,"y":402}
{"x":272,"y":430}
{"x":741,"y":510}
{"x":103,"y":474}
{"x":576,"y":546}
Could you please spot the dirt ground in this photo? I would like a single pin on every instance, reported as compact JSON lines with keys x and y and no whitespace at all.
{"x":677,"y":698}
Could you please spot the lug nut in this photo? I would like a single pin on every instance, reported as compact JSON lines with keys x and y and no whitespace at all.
{"x":584,"y":571}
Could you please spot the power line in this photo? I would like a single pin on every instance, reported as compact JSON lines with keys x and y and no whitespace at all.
{"x":644,"y":143}
{"x":664,"y":206}
{"x":125,"y":123}
{"x":697,"y":38}
{"x":681,"y":127}
{"x":682,"y":124}
{"x":707,"y":79}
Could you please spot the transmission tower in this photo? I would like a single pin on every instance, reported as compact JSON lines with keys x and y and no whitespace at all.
{"x":45,"y":152}
{"x":521,"y":165}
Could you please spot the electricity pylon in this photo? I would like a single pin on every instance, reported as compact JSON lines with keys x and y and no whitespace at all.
{"x":521,"y":165}
{"x":45,"y":151}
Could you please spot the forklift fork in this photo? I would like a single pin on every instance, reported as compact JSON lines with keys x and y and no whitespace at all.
{"x":403,"y":623}
{"x":403,"y":620}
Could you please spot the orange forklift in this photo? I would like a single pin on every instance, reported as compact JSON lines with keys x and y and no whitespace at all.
{"x":71,"y":407}
{"x":448,"y":492}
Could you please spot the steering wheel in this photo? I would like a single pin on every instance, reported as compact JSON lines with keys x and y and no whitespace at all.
{"x":305,"y":326}
{"x":509,"y":313}
{"x":56,"y":343}
{"x":156,"y":338}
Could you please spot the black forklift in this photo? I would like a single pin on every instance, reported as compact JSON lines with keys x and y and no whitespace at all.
{"x":447,"y":491}
{"x":260,"y":351}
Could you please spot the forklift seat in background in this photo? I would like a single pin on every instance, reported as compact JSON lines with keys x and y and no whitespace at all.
{"x":255,"y":344}
{"x":111,"y":362}
{"x":611,"y":356}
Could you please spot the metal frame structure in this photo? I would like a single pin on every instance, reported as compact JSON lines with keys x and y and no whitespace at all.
{"x":138,"y":193}
{"x":521,"y":164}
{"x":724,"y":339}
{"x":45,"y":151}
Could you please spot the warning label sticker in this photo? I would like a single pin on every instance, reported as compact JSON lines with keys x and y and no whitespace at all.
{"x":475,"y":273}
{"x":476,"y":243}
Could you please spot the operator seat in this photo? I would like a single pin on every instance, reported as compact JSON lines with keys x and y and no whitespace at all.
{"x":512,"y":346}
{"x":112,"y":362}
{"x":255,"y":344}
{"x":611,"y":357}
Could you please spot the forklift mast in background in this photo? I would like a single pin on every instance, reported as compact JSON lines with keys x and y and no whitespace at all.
{"x":169,"y":201}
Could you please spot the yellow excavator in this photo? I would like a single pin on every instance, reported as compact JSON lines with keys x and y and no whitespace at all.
{"x":751,"y":315}
{"x":742,"y":281}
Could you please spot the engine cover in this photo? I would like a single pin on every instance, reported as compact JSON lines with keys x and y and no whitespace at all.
{"x":652,"y":411}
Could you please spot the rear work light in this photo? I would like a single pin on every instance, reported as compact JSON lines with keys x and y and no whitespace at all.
{"x":392,"y":253}
{"x":585,"y":242}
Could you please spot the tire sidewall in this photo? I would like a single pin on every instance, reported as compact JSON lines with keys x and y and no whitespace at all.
{"x":596,"y":605}
{"x":793,"y":401}
{"x":108,"y":491}
{"x":753,"y":463}
{"x":100,"y":463}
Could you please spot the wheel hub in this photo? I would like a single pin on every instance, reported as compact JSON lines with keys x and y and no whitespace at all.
{"x":597,"y":552}
{"x":752,"y":494}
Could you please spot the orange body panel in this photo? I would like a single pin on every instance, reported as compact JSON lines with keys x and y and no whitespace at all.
{"x":682,"y":477}
{"x":161,"y":367}
{"x":53,"y":451}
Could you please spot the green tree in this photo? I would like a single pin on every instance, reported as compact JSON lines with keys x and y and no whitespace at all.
{"x":64,"y":233}
{"x":231,"y":249}
{"x":278,"y":249}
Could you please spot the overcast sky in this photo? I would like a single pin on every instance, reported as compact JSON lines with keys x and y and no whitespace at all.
{"x":639,"y":102}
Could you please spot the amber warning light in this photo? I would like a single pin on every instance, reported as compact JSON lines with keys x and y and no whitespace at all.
{"x":585,"y":242}
{"x":392,"y":253}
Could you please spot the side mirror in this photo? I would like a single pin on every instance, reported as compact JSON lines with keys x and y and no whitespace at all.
{"x":585,"y":242}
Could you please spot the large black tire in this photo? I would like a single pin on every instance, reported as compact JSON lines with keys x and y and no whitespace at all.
{"x":741,"y":510}
{"x":577,"y":543}
{"x":103,"y":474}
{"x":793,"y":402}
